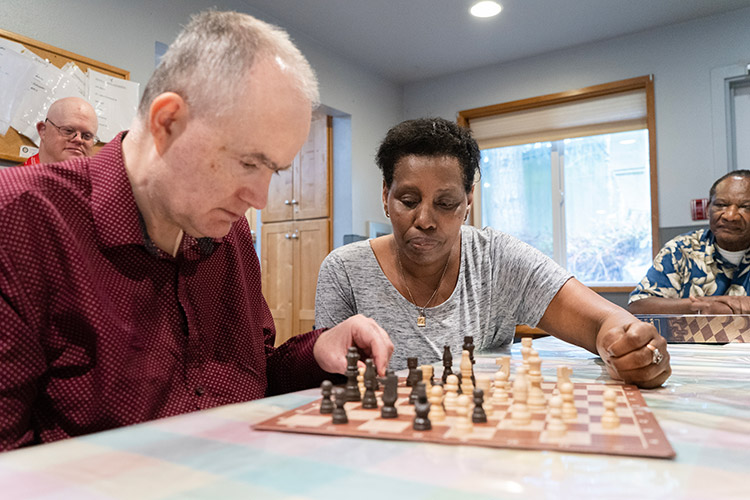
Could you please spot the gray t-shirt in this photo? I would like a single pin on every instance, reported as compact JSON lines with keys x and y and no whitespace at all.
{"x":502,"y":282}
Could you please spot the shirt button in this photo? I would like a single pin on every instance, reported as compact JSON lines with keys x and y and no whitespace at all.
{"x":199,"y":391}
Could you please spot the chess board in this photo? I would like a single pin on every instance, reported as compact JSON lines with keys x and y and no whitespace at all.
{"x":639,"y":434}
{"x":702,"y":329}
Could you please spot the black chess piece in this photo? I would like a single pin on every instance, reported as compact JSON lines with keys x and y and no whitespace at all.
{"x":352,"y":388}
{"x":412,"y":378}
{"x":413,"y":394}
{"x":326,"y":405}
{"x":421,"y":409}
{"x":376,"y":380}
{"x":369,"y":401}
{"x":447,"y":363}
{"x":478,"y":416}
{"x":339,"y":412}
{"x":469,"y":346}
{"x":390,"y":396}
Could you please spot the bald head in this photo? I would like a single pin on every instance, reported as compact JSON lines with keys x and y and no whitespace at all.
{"x":68,"y":131}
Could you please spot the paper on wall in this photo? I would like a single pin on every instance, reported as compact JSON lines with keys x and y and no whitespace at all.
{"x":115,"y":101}
{"x":16,"y":74}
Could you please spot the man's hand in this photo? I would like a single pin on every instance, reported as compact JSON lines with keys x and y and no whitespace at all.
{"x":628,"y":357}
{"x":331,"y":347}
{"x":720,"y":304}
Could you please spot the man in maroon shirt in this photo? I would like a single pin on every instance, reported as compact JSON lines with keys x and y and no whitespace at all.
{"x":129,"y":286}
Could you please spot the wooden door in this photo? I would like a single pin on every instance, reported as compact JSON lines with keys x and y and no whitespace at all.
{"x":311,"y":184}
{"x":280,"y":195}
{"x":277,"y":263}
{"x":312,"y":244}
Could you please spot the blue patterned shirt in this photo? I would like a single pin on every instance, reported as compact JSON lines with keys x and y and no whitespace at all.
{"x":691,"y":265}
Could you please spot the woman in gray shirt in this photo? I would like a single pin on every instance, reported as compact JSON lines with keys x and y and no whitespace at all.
{"x":435,"y":280}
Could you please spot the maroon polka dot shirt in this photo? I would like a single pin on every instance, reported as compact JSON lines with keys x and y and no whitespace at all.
{"x":100,"y":329}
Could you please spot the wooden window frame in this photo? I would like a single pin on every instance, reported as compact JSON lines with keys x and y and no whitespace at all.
{"x":645,"y":83}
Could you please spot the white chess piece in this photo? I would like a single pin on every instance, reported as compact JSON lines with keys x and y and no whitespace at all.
{"x":451,"y":392}
{"x":556,"y":427}
{"x":610,"y":420}
{"x":437,"y":413}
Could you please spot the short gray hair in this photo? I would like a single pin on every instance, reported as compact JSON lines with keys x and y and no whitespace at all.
{"x":203,"y":65}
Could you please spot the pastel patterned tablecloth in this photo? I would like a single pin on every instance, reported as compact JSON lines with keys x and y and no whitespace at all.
{"x":704,"y":410}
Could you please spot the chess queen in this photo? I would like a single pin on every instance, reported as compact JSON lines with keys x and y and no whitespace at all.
{"x":436,"y":279}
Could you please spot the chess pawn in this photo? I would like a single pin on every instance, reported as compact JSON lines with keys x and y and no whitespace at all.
{"x":569,"y":411}
{"x":556,"y":427}
{"x":520,"y":414}
{"x":361,"y":381}
{"x":451,"y":392}
{"x":390,"y":396}
{"x":447,"y":363}
{"x":412,"y":378}
{"x":427,"y":373}
{"x":467,"y":374}
{"x":351,"y":388}
{"x":437,"y":412}
{"x":610,"y":420}
{"x":463,"y":425}
{"x":339,"y":413}
{"x":478,"y":415}
{"x":369,"y":401}
{"x":484,"y":383}
{"x":421,"y":410}
{"x":326,"y":404}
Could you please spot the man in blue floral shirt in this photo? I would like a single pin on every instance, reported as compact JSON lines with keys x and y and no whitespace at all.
{"x":706,"y":271}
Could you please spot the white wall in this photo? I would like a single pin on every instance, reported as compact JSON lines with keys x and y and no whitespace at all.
{"x":680,"y":57}
{"x":128,"y":30}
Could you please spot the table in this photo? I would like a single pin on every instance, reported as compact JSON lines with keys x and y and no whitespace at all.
{"x":704,"y":410}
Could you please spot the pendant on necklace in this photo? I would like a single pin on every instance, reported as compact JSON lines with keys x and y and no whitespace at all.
{"x":421,"y":320}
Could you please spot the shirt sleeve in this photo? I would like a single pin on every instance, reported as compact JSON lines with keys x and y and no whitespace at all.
{"x":663,"y":278}
{"x":22,"y":363}
{"x":334,"y":298}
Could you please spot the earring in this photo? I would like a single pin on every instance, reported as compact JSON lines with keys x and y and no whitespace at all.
{"x":387,"y":214}
{"x":466,"y":217}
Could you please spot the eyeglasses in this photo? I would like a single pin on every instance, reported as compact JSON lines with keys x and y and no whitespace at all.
{"x":69,"y":133}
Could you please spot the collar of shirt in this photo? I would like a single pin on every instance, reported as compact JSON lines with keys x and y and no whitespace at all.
{"x":116,"y":216}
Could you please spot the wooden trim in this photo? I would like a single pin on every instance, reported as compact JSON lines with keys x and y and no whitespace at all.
{"x":59,"y":57}
{"x":651,"y":119}
{"x":612,"y":289}
{"x":465,"y":116}
{"x":329,"y":155}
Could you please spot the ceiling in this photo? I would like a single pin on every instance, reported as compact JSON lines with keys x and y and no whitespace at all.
{"x":409,"y":40}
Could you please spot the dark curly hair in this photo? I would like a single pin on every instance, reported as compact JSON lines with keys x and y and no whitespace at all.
{"x":435,"y":137}
{"x":745,"y":174}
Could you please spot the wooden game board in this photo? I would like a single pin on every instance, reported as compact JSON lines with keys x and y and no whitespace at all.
{"x":639,"y":434}
{"x":702,"y":329}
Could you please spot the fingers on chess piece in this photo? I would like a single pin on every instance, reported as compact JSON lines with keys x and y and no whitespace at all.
{"x":421,"y":409}
{"x":369,"y":401}
{"x":339,"y":412}
{"x":610,"y":419}
{"x":352,"y":389}
{"x":390,"y":396}
{"x":326,"y":404}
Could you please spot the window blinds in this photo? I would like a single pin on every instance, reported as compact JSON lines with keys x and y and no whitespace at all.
{"x":606,"y":114}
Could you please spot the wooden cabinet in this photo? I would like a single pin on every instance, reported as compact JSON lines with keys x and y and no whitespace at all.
{"x":291,"y":256}
{"x":304,"y":190}
{"x":296,"y":233}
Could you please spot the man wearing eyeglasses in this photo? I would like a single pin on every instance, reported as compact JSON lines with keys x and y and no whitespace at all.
{"x":68,"y":131}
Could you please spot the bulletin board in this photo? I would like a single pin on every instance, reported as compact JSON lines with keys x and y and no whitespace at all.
{"x":11,"y":143}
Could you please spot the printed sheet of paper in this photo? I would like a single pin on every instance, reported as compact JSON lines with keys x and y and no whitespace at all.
{"x":115,"y":101}
{"x":16,"y":74}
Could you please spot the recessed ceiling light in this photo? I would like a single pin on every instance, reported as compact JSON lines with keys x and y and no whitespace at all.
{"x":485,"y":9}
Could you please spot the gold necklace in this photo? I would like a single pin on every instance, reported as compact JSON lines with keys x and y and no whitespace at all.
{"x":422,"y":318}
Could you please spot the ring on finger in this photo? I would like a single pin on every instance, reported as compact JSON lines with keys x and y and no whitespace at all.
{"x":656,"y":355}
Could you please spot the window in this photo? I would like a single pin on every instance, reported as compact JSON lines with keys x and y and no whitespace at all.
{"x":572,"y":175}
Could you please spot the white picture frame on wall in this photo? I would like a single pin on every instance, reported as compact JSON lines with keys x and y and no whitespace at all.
{"x":375,"y":229}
